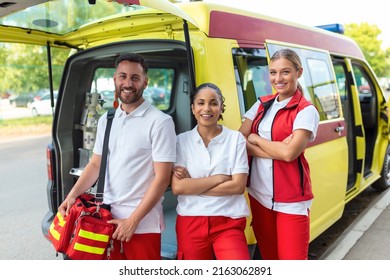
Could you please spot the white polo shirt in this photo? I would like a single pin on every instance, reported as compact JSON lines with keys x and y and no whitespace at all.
{"x":225,"y":154}
{"x":261,"y":187}
{"x":138,"y":139}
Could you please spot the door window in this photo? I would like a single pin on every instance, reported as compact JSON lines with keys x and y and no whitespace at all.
{"x":317,"y":80}
{"x":251,"y":68}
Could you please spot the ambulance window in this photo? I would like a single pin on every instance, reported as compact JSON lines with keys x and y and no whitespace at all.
{"x":362,"y":82}
{"x":158,"y":92}
{"x":367,"y":97}
{"x":159,"y":87}
{"x":251,"y":69}
{"x":323,"y":89}
{"x":341,"y":80}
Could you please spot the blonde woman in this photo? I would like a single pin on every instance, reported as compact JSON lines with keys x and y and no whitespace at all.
{"x":278,"y":128}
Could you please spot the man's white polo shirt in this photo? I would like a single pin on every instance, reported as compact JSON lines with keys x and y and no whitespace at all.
{"x":225,"y":154}
{"x":138,"y":139}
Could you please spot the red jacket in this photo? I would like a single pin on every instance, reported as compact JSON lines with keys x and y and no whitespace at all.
{"x":291,"y":179}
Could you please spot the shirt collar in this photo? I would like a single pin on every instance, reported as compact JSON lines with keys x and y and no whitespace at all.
{"x":138,"y":112}
{"x":217,"y":139}
{"x":282,"y":103}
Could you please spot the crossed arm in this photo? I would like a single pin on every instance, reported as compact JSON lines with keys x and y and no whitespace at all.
{"x":215,"y":185}
{"x":286,"y":150}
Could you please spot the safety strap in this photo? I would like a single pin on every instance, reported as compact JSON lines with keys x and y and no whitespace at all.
{"x":102,"y":172}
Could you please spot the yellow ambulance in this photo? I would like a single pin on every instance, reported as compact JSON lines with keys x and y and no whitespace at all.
{"x":187,"y":44}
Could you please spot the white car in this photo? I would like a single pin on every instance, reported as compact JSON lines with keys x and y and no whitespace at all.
{"x":43,"y":106}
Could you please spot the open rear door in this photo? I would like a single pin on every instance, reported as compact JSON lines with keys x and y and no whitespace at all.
{"x":168,"y":7}
{"x":162,"y":5}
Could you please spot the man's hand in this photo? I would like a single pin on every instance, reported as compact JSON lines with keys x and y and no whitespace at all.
{"x":125,"y":228}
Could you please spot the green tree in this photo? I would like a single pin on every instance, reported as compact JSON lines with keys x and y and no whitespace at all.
{"x":387,"y":72}
{"x":366,"y":36}
{"x":24,"y":67}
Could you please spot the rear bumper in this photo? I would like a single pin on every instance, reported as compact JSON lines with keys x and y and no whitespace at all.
{"x":45,"y":224}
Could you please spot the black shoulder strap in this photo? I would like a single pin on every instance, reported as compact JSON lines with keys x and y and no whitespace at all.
{"x":102,"y":172}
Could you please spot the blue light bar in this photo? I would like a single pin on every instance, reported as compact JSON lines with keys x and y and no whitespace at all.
{"x":335,"y":27}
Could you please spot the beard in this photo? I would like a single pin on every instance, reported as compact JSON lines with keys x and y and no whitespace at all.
{"x":130,"y":97}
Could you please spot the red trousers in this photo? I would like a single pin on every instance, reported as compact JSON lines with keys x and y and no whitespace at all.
{"x":140,"y":247}
{"x":280,"y":236}
{"x":208,"y":238}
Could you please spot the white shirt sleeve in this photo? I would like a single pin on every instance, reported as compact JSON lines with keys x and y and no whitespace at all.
{"x":162,"y":139}
{"x":251,"y":113}
{"x":308,"y":119}
{"x":241,"y":160}
{"x":180,"y":161}
{"x":98,"y":147}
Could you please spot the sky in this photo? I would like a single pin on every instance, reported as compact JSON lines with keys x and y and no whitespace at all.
{"x":312,"y":13}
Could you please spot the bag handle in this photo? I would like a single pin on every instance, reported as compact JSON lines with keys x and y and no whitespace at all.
{"x":102,"y":172}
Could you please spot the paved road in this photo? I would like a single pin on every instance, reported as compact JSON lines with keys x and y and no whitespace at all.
{"x":23,"y":200}
{"x":353,"y":210}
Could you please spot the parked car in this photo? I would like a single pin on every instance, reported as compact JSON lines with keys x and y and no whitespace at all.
{"x":43,"y":106}
{"x":156,"y":95}
{"x":40,"y":93}
{"x":21,"y":100}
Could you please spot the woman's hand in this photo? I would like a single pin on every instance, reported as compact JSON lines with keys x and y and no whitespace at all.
{"x":180,"y":172}
{"x":252,"y":138}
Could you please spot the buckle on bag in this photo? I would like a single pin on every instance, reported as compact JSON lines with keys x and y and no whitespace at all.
{"x":97,"y":211}
{"x":99,"y":198}
{"x":98,"y":203}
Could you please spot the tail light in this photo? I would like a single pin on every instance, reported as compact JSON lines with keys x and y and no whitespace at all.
{"x":49,"y":159}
